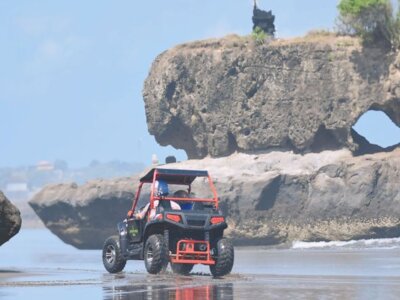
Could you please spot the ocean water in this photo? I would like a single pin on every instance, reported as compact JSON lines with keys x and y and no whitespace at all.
{"x":38,"y":265}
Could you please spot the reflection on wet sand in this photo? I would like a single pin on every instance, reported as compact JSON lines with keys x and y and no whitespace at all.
{"x":136,"y":286}
{"x":171,"y":292}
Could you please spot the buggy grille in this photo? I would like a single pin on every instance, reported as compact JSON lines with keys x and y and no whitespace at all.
{"x":196,"y":222}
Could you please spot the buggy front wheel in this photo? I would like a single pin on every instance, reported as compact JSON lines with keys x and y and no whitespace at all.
{"x":224,"y":258}
{"x":156,"y":256}
{"x":112,"y":256}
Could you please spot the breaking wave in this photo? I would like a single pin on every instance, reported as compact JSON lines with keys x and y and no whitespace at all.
{"x":391,"y":243}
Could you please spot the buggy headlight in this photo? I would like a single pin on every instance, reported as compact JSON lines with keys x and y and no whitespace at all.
{"x":175,"y":218}
{"x":217,"y":220}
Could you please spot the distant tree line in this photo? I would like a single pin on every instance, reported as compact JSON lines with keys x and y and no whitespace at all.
{"x":35,"y":178}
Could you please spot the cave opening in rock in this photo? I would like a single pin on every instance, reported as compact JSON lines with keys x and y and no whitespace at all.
{"x":325,"y":139}
{"x":375,"y":132}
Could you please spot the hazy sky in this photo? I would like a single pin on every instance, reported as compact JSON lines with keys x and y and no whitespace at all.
{"x":72,"y":71}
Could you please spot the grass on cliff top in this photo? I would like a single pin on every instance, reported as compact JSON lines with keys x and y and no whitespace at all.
{"x":231,"y":40}
{"x":322,"y":37}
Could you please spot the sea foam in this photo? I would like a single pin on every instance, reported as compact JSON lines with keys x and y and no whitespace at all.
{"x":389,"y":243}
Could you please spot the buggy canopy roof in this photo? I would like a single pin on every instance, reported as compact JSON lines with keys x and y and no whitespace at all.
{"x":172,"y":176}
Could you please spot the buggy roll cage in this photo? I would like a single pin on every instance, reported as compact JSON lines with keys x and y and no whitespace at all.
{"x":177,"y":177}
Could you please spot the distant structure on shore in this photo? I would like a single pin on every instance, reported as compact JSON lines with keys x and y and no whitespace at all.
{"x":264,"y":20}
{"x":45,"y":166}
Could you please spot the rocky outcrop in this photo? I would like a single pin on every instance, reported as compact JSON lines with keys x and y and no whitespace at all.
{"x":220,"y":96}
{"x":273,"y":125}
{"x":85,"y":216}
{"x":281,"y":197}
{"x":10,"y":219}
{"x":269,"y":199}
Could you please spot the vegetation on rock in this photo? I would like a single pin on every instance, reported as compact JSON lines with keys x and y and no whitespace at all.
{"x":372,"y":20}
{"x":259,"y":35}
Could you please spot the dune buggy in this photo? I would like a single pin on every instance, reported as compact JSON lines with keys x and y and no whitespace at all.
{"x":179,"y":228}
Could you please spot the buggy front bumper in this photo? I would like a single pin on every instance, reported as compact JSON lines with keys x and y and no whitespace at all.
{"x":192,"y":252}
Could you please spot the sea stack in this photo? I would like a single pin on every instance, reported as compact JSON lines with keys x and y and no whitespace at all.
{"x":10,"y":219}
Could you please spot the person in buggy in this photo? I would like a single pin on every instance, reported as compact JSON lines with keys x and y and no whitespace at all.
{"x":162,"y":190}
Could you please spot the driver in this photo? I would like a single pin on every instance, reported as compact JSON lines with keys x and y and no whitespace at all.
{"x":160,"y":190}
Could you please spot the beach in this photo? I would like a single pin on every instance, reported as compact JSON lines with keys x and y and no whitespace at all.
{"x":38,"y":264}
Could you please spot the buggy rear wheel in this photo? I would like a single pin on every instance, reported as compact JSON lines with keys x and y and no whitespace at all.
{"x":112,"y":256}
{"x":224,"y":258}
{"x":156,"y":256}
{"x":182,"y":269}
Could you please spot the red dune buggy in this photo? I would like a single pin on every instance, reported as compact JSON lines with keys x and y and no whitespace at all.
{"x":178,"y":227}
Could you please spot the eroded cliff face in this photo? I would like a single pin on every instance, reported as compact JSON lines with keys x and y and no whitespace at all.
{"x":220,"y":96}
{"x":10,"y":219}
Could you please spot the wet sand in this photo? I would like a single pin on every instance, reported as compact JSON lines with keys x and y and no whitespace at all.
{"x":62,"y":272}
{"x":65,"y":284}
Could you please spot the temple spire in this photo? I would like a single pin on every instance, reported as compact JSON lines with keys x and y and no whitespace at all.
{"x":264,"y":20}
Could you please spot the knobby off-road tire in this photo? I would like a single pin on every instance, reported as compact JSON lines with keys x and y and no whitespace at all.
{"x":182,"y":269}
{"x":112,"y":256}
{"x":224,"y":258}
{"x":156,"y":256}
